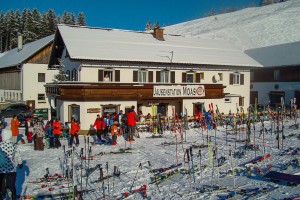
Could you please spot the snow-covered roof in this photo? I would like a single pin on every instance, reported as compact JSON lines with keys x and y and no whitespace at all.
{"x":121,"y":45}
{"x":277,"y":55}
{"x":249,"y":28}
{"x":2,"y":54}
{"x":15,"y":57}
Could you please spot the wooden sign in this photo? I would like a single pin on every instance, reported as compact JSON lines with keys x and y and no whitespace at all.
{"x":93,"y":110}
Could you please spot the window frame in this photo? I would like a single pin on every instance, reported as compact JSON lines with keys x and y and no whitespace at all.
{"x":190,"y":74}
{"x":41,"y":77}
{"x":164,"y":76}
{"x":276,"y":74}
{"x":140,"y":78}
{"x":43,"y":99}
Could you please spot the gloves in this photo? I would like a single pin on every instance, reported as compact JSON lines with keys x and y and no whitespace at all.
{"x":20,"y":166}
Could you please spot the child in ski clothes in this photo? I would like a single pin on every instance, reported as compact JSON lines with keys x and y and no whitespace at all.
{"x":29,"y":127}
{"x":74,"y":132}
{"x":38,"y":133}
{"x":114,"y":133}
{"x":100,"y":128}
{"x":15,"y":128}
{"x":66,"y":130}
{"x":9,"y":160}
{"x":49,"y":134}
{"x":57,"y":131}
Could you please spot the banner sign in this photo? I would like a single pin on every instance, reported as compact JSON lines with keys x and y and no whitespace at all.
{"x":179,"y":91}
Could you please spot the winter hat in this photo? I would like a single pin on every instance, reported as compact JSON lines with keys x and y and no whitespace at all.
{"x":6,"y":135}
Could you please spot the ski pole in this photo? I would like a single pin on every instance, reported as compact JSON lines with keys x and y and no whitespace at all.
{"x":188,"y":159}
{"x":88,"y":166}
{"x":199,"y":155}
{"x":102,"y":179}
{"x":139,"y":167}
{"x":81,"y":154}
{"x":107,"y":178}
{"x":191,"y":153}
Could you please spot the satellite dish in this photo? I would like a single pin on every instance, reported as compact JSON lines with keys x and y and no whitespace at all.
{"x":216,"y":78}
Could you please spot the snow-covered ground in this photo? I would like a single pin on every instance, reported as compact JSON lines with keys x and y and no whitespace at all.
{"x":179,"y":186}
{"x":248,"y":28}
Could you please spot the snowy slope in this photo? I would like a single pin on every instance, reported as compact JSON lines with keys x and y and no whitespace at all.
{"x":180,"y":186}
{"x":248,"y":28}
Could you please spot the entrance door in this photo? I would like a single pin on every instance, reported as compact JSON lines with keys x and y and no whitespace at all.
{"x":275,"y":97}
{"x":253,"y":96}
{"x":74,"y":111}
{"x":31,"y":104}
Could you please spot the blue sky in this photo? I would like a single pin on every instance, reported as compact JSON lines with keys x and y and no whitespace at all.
{"x":130,"y":14}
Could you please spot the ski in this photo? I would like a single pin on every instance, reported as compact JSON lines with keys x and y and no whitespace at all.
{"x":279,"y":176}
{"x":103,"y":154}
{"x":160,"y":170}
{"x":142,"y":190}
{"x":255,"y":160}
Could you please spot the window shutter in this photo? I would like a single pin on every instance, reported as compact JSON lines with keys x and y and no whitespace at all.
{"x":172,"y":77}
{"x":157,"y":76}
{"x":230,"y":79}
{"x":117,"y":75}
{"x":198,"y":77}
{"x":100,"y":75}
{"x":183,"y":77}
{"x":150,"y":76}
{"x":135,"y":76}
{"x":242,"y":79}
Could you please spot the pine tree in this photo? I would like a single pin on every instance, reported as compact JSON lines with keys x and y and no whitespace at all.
{"x":72,"y":19}
{"x":23,"y":19}
{"x":52,"y":22}
{"x":15,"y":29}
{"x":66,"y":18}
{"x":9,"y":28}
{"x":29,"y":34}
{"x":81,"y":19}
{"x":2,"y":31}
{"x":44,"y":25}
{"x":36,"y":20}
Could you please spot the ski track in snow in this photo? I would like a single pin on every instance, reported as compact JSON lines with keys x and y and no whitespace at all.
{"x":179,"y":186}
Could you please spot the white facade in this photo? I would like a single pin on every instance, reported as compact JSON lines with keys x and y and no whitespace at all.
{"x":263,"y":89}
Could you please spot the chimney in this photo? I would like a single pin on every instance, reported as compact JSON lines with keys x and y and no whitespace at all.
{"x":158,"y":33}
{"x":20,"y":42}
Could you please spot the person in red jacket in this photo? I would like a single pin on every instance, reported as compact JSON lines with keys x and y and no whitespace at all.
{"x":132,"y":118}
{"x":74,"y":132}
{"x":100,"y":128}
{"x":57,"y":131}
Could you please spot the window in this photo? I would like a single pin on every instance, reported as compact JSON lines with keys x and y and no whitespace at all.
{"x":236,"y":79}
{"x":68,"y":74}
{"x":276,"y":75}
{"x":164,"y":76}
{"x":241,"y":101}
{"x":41,"y":77}
{"x":74,"y":75}
{"x":220,"y":76}
{"x":108,"y":76}
{"x":190,"y":77}
{"x":142,"y":76}
{"x":41,"y":97}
